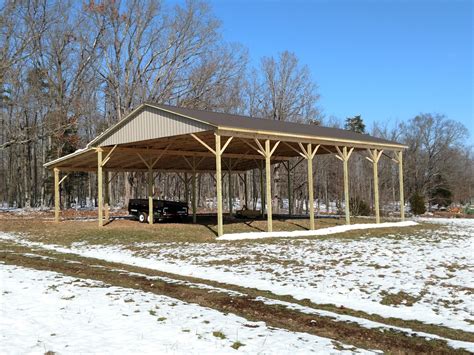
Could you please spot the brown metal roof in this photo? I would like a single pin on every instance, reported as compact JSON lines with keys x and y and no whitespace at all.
{"x":258,"y":124}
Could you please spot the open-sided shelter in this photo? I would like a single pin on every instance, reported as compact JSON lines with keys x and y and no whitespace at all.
{"x":157,"y":137}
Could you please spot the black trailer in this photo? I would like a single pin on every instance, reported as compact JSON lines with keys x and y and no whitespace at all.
{"x":162,"y":210}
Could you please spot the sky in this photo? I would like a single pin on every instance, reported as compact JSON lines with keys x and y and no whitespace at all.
{"x":385,"y":60}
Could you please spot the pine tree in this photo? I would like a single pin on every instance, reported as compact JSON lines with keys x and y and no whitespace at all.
{"x":355,"y":124}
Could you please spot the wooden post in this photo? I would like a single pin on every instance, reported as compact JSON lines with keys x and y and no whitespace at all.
{"x":100,"y":181}
{"x":218,"y":154}
{"x":246,"y":191}
{"x":193,"y":187}
{"x":344,"y":156}
{"x":107,"y":197}
{"x":310,"y":185}
{"x":150,"y":195}
{"x":230,"y":191}
{"x":220,"y":224}
{"x":374,"y":158}
{"x":399,"y":160}
{"x":290,"y":198}
{"x":268,"y":180}
{"x":346,"y":187}
{"x":262,"y":191}
{"x":57,"y":208}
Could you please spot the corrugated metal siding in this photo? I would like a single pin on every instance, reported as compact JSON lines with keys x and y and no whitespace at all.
{"x":151,"y":123}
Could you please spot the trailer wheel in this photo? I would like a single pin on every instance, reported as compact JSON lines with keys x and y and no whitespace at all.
{"x":143,"y":217}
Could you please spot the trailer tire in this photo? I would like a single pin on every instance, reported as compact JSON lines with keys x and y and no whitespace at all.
{"x":143,"y":217}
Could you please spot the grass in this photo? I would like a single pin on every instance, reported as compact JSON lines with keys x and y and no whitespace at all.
{"x":399,"y":298}
{"x":236,"y":345}
{"x":128,"y":232}
{"x":219,"y":334}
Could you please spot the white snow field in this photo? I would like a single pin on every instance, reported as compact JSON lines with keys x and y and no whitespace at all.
{"x":429,"y":273}
{"x":44,"y":311}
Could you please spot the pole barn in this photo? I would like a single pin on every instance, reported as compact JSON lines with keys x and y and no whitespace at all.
{"x":156,"y":137}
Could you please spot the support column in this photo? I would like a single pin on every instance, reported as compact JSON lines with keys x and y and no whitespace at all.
{"x":399,"y":156}
{"x":268,"y":179}
{"x":107,"y":197}
{"x":246,"y":191}
{"x":346,"y":187}
{"x":309,"y":159}
{"x":290,"y":199}
{"x":262,"y":191}
{"x":230,"y":191}
{"x":57,"y":208}
{"x":374,"y":158}
{"x":150,"y":195}
{"x":193,"y":188}
{"x":100,"y":202}
{"x":218,"y":153}
{"x":344,"y":155}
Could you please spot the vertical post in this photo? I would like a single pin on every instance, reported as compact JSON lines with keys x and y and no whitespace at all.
{"x":290,"y":199}
{"x":346,"y":185}
{"x":100,"y":181}
{"x":375,"y":163}
{"x":193,"y":187}
{"x":150,"y":195}
{"x":230,"y":191}
{"x":268,"y":187}
{"x":310,"y":186}
{"x":400,"y":177}
{"x":56,"y":195}
{"x":107,"y":196}
{"x":246,"y":190}
{"x":220,"y":227}
{"x":186,"y":188}
{"x":262,"y":191}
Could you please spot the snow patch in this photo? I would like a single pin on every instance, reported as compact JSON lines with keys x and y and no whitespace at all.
{"x":314,"y":233}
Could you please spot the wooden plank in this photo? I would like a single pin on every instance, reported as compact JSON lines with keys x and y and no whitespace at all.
{"x":150,"y":195}
{"x":309,"y":159}
{"x":57,"y":208}
{"x":100,"y":201}
{"x":218,"y":152}
{"x":346,"y":185}
{"x":268,"y":179}
{"x":399,"y":156}
{"x":107,"y":195}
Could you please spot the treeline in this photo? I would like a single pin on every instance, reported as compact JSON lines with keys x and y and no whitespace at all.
{"x":70,"y":69}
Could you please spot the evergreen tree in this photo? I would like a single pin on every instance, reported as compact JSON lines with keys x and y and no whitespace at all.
{"x":355,"y":124}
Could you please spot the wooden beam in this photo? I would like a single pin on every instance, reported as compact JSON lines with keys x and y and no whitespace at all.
{"x":399,"y":160}
{"x":57,"y":208}
{"x":309,"y":158}
{"x":218,"y":152}
{"x":100,"y":201}
{"x":107,"y":157}
{"x":193,"y":187}
{"x":346,"y":183}
{"x":150,"y":195}
{"x":107,"y":196}
{"x":290,"y":198}
{"x":375,"y":156}
{"x":205,"y":144}
{"x":230,"y":191}
{"x":289,"y":137}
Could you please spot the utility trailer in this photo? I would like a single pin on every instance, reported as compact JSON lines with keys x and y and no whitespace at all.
{"x":162,"y":210}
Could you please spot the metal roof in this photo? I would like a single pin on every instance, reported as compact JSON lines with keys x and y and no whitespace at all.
{"x":153,"y":129}
{"x":227,"y":120}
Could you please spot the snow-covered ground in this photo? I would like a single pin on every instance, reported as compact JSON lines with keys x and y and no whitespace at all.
{"x":44,"y":311}
{"x":433,"y":269}
{"x":316,"y":232}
